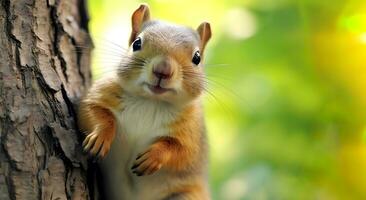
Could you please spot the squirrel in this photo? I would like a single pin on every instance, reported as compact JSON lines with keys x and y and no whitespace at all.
{"x":146,"y":121}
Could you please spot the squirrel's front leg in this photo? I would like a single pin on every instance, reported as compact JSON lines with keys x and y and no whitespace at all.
{"x":95,"y":117}
{"x":156,"y":156}
{"x":173,"y":153}
{"x":103,"y":131}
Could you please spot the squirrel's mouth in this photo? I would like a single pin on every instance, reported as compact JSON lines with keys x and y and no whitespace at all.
{"x":157,"y":89}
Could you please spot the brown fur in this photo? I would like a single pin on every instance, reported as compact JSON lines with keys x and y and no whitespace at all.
{"x":182,"y":153}
{"x":96,"y":118}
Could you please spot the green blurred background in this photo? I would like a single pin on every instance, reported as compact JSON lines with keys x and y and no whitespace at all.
{"x":286,"y":117}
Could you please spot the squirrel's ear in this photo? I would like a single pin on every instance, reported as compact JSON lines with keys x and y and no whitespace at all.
{"x":204,"y":31}
{"x":141,"y":15}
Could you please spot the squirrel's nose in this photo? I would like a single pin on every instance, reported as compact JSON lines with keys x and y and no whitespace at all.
{"x":163,"y":70}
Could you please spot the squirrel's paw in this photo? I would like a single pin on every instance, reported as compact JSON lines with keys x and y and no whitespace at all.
{"x":98,"y":143}
{"x":148,"y":162}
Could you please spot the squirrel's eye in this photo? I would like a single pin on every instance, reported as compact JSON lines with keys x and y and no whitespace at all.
{"x":196,"y":58}
{"x":136,"y":45}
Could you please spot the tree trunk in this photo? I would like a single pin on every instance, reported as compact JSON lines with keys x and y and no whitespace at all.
{"x":43,"y":73}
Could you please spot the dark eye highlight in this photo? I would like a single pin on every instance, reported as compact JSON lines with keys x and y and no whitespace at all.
{"x":196,"y":58}
{"x":136,"y":45}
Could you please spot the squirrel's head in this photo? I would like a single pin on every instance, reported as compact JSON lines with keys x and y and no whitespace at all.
{"x":164,"y":61}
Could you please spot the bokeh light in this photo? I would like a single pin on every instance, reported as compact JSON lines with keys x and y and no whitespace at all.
{"x":286,"y":112}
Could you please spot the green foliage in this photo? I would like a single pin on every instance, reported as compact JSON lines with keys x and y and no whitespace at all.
{"x":281,"y":115}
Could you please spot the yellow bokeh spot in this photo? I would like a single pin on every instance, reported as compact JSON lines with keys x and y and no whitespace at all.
{"x":363,"y":37}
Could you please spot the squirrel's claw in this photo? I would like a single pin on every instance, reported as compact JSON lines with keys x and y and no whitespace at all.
{"x":97,"y":144}
{"x":146,"y":163}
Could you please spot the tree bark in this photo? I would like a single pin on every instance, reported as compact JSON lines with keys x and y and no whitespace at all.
{"x":43,"y":73}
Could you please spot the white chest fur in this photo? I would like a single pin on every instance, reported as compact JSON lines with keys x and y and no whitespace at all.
{"x":142,"y":120}
{"x":139,"y":123}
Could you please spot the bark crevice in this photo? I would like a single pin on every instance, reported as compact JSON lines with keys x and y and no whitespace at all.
{"x":6,"y":5}
{"x":57,"y":26}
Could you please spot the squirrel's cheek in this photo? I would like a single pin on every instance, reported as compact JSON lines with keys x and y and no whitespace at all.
{"x":193,"y":87}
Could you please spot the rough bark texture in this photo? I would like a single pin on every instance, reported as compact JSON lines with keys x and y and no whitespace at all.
{"x":42,"y":76}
